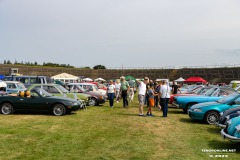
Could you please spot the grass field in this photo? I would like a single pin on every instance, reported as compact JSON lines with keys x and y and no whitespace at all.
{"x":109,"y":133}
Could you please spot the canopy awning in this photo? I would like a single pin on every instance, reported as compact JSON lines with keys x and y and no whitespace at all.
{"x":180,"y":80}
{"x":195,"y":80}
{"x":65,"y":76}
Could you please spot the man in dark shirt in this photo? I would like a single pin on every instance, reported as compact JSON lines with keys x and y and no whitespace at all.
{"x":175,"y":88}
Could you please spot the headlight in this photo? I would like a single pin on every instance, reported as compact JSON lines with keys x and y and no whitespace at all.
{"x":228,"y":117}
{"x":75,"y":104}
{"x":221,"y":113}
{"x":197,"y":110}
{"x":238,"y":128}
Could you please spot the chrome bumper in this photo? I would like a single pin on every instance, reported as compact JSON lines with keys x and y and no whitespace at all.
{"x":229,"y":137}
{"x":220,"y":125}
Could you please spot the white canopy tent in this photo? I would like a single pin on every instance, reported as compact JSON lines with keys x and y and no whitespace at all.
{"x":87,"y":79}
{"x":66,"y":78}
{"x":100,"y":79}
{"x":2,"y":84}
{"x":180,"y":80}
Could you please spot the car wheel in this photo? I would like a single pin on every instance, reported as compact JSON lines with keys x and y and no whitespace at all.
{"x":6,"y":108}
{"x":212,"y":117}
{"x":92,"y":102}
{"x":59,"y":110}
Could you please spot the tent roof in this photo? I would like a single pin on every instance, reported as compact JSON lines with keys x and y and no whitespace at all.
{"x":195,"y":80}
{"x":180,"y":79}
{"x":129,"y":78}
{"x":64,"y":76}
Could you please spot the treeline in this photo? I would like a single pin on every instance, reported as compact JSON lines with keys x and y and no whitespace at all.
{"x":49,"y":64}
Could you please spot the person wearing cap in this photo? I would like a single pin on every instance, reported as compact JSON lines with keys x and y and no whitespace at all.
{"x":164,"y":97}
{"x":124,"y":90}
{"x":141,"y":94}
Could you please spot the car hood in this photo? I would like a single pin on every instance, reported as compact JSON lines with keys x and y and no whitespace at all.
{"x":206,"y":104}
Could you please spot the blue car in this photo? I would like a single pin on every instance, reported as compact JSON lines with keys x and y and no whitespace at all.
{"x":213,"y":94}
{"x":232,"y":132}
{"x":210,"y":111}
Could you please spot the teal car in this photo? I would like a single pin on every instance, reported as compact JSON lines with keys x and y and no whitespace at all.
{"x":232,"y":132}
{"x":213,"y":94}
{"x":14,"y":87}
{"x":58,"y":90}
{"x":210,"y":111}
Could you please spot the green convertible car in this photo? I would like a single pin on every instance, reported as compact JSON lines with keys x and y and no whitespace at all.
{"x":38,"y":100}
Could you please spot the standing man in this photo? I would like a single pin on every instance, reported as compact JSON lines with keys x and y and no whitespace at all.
{"x":165,"y":95}
{"x":141,"y":94}
{"x":175,"y":88}
{"x":124,"y":89}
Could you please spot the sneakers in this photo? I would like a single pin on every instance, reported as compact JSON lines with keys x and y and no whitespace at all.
{"x":117,"y":101}
{"x":150,"y":115}
{"x":141,"y":115}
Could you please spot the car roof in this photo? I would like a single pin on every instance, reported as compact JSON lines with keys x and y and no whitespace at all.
{"x":82,"y":83}
{"x":12,"y":82}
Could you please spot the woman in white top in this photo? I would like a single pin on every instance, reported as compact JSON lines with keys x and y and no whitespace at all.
{"x":117,"y":87}
{"x":111,"y":90}
{"x":164,"y":96}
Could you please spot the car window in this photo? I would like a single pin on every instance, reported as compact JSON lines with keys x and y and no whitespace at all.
{"x":11,"y":85}
{"x":33,"y":94}
{"x":33,"y":80}
{"x":52,"y":89}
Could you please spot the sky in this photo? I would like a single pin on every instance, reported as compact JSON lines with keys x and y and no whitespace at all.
{"x":121,"y":33}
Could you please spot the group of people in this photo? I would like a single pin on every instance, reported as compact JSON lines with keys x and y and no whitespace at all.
{"x":151,"y":93}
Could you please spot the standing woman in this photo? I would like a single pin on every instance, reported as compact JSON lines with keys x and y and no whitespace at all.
{"x":117,"y":87}
{"x":164,"y":97}
{"x":111,"y":91}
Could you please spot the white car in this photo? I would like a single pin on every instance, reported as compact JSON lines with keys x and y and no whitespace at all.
{"x":92,"y":87}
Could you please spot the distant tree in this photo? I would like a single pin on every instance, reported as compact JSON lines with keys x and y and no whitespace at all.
{"x":87,"y":67}
{"x":99,"y":67}
{"x":9,"y":62}
{"x":4,"y":62}
{"x":35,"y":63}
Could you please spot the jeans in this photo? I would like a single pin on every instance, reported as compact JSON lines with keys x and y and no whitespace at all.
{"x":164,"y":104}
{"x":111,"y":99}
{"x":124,"y":97}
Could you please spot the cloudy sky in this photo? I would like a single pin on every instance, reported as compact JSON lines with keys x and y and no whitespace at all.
{"x":116,"y":33}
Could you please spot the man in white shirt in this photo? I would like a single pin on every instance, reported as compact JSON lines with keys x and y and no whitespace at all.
{"x":141,"y":94}
{"x":164,"y":96}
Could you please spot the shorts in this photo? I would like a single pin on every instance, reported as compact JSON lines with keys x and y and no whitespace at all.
{"x":141,"y":99}
{"x":151,"y":102}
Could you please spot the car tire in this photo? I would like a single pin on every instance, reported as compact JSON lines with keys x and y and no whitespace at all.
{"x":7,"y":108}
{"x":59,"y":110}
{"x":212,"y":117}
{"x":93,"y":102}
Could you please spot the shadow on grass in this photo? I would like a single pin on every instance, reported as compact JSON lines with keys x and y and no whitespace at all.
{"x":190,"y":121}
{"x":38,"y":113}
{"x":128,"y":114}
{"x":214,"y":130}
{"x":176,"y":111}
{"x":224,"y":144}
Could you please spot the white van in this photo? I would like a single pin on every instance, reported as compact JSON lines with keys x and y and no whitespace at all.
{"x":234,"y":81}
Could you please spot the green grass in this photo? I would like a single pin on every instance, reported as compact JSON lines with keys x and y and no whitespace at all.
{"x":109,"y":133}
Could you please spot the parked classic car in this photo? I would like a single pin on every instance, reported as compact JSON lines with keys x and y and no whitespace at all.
{"x":92,"y":87}
{"x":210,"y":111}
{"x":38,"y":100}
{"x":232,"y":131}
{"x":226,"y":115}
{"x":96,"y":98}
{"x":214,"y":94}
{"x":58,"y":90}
{"x":14,"y":87}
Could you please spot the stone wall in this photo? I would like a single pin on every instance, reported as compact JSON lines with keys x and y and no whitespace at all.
{"x":210,"y":74}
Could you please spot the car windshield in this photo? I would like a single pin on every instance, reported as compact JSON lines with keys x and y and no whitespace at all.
{"x":20,"y":85}
{"x":210,"y":91}
{"x":82,"y":89}
{"x":61,"y":89}
{"x":229,"y":98}
{"x":44,"y":93}
{"x":95,"y":87}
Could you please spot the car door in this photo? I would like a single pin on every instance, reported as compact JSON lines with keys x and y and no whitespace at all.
{"x":32,"y":103}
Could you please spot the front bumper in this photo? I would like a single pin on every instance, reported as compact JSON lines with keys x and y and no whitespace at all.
{"x":175,"y":105}
{"x":229,"y":137}
{"x":196,"y":115}
{"x":220,"y":125}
